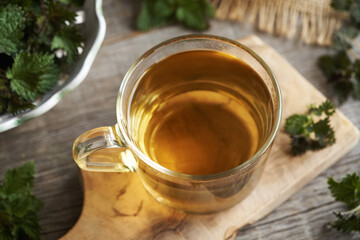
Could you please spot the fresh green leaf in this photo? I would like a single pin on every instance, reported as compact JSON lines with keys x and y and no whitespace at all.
{"x":60,"y":16}
{"x":30,"y":225}
{"x":296,"y":124}
{"x":327,"y":65}
{"x":357,"y":79}
{"x":299,"y":145}
{"x":16,"y":104}
{"x":191,"y":13}
{"x":326,"y":107}
{"x":356,"y":67}
{"x":324,"y":133}
{"x":18,"y":206}
{"x":77,"y":3}
{"x":347,"y":190}
{"x":341,"y":70}
{"x":30,"y":33}
{"x":22,"y":3}
{"x":194,"y":14}
{"x":18,"y":180}
{"x":68,"y":40}
{"x":163,"y":8}
{"x":148,"y":17}
{"x":357,"y":90}
{"x":32,"y":74}
{"x":191,"y":18}
{"x":343,"y":37}
{"x":336,"y":65}
{"x":355,"y":14}
{"x":343,"y":89}
{"x":341,"y":4}
{"x":345,"y":223}
{"x":12,"y":23}
{"x":342,"y":60}
{"x":6,"y":235}
{"x":308,"y":134}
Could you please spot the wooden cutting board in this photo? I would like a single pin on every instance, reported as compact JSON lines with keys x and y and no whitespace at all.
{"x":116,"y":205}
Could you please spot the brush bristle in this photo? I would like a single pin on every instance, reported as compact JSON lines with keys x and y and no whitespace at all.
{"x":314,"y":21}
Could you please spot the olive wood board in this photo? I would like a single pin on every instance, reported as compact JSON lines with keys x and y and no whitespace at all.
{"x":116,"y":205}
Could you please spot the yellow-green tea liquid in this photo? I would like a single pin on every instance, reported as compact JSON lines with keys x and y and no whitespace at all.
{"x":200,"y":112}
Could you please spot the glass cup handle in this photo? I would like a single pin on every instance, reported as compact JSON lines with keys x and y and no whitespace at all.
{"x":100,"y":149}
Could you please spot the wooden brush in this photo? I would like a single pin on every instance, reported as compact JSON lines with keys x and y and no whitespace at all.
{"x":314,"y":21}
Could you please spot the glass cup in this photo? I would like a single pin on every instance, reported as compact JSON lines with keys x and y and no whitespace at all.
{"x":114,"y":149}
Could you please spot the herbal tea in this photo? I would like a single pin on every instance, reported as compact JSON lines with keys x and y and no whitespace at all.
{"x":200,"y":112}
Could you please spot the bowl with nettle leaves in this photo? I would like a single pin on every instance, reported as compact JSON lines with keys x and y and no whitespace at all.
{"x":46,"y":50}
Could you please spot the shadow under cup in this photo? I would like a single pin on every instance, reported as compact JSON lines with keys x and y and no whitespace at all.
{"x":191,"y":193}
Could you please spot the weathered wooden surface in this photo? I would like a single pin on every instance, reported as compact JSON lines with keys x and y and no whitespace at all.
{"x":48,"y":139}
{"x":117,"y":204}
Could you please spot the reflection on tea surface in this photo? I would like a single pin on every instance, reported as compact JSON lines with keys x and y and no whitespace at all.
{"x":200,"y":112}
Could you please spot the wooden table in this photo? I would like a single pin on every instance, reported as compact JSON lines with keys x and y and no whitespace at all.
{"x":48,"y":139}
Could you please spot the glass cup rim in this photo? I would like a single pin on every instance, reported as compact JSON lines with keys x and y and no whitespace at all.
{"x":123,"y":133}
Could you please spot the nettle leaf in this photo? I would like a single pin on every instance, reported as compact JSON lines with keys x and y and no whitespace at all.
{"x":347,"y":190}
{"x":308,"y":134}
{"x":327,"y":108}
{"x":191,"y":18}
{"x":23,"y":3}
{"x":32,"y":74}
{"x":341,"y":4}
{"x":18,"y":206}
{"x":342,"y":72}
{"x":6,"y":235}
{"x":12,"y":23}
{"x":296,"y":124}
{"x":150,"y":16}
{"x":343,"y":88}
{"x":163,"y":8}
{"x":60,"y":16}
{"x":30,"y":32}
{"x":335,"y":65}
{"x":356,"y":67}
{"x":343,"y":37}
{"x":323,"y":132}
{"x":194,"y":14}
{"x":342,"y":60}
{"x":209,"y":9}
{"x":357,"y":90}
{"x":357,"y":79}
{"x":191,"y":13}
{"x":345,"y":223}
{"x":355,"y":14}
{"x":30,"y":227}
{"x":69,"y":39}
{"x":327,"y":65}
{"x":19,"y":180}
{"x":76,"y":3}
{"x":17,"y":104}
{"x":340,"y":69}
{"x":299,"y":145}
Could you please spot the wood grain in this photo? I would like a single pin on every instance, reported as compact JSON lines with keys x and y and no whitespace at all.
{"x":47,"y":140}
{"x":116,"y":206}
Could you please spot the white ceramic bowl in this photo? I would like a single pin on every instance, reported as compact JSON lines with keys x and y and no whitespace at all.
{"x":94,"y":28}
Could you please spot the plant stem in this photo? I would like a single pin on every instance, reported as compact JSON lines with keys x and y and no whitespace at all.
{"x":355,"y":210}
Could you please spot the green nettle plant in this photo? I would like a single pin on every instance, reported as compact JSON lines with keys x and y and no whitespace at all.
{"x":38,"y":41}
